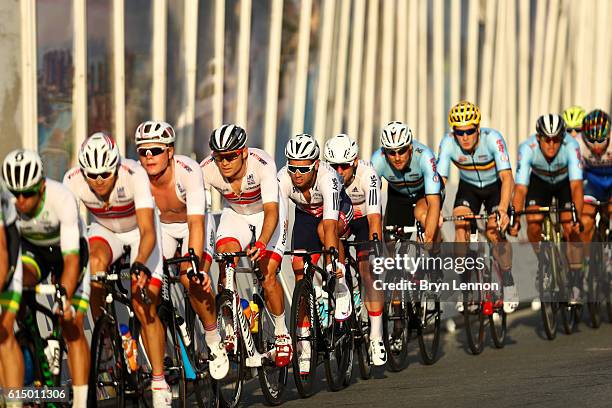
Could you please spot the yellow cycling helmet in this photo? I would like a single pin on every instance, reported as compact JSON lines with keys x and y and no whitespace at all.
{"x":573,"y":117}
{"x":464,"y":113}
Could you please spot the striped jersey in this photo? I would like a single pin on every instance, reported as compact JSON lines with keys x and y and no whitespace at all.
{"x":364,"y":190}
{"x":8,"y":213}
{"x":258,"y":184}
{"x":480,"y":167}
{"x":131,"y":192}
{"x":324,"y":193}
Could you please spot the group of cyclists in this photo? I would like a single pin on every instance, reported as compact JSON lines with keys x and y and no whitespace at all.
{"x":158,"y":202}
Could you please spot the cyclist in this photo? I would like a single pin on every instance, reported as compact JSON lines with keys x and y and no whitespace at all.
{"x":11,"y":363}
{"x":363,"y":188}
{"x":246,"y":178}
{"x":486,"y":179}
{"x":178,"y":189}
{"x":573,"y":118}
{"x":549,"y":166}
{"x":117,"y":194}
{"x":323,"y":211}
{"x":53,"y":243}
{"x":596,"y":151}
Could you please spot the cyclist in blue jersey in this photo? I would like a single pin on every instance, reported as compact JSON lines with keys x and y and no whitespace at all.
{"x":549,"y":166}
{"x":486,"y":179}
{"x":410,"y":169}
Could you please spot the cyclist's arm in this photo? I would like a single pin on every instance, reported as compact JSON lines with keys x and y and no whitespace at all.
{"x":507,"y":185}
{"x":196,"y":207}
{"x":433,"y":215}
{"x":577,"y":188}
{"x":270,"y":221}
{"x":4,"y":263}
{"x":523,"y":172}
{"x":433,"y":189}
{"x":444,"y":157}
{"x":269,"y":197}
{"x":497,"y":145}
{"x":69,"y":242}
{"x":575,"y":174}
{"x":372,"y":185}
{"x":195,"y":224}
{"x":143,"y":201}
{"x":330,"y":189}
{"x":330,"y":235}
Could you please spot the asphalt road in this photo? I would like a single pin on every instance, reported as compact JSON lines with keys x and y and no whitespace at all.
{"x":570,"y":371}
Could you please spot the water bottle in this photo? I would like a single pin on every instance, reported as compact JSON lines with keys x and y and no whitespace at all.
{"x":248,"y":313}
{"x":183,"y":329}
{"x":254,"y":317}
{"x":52,"y":352}
{"x":323,"y":305}
{"x":130,"y":348}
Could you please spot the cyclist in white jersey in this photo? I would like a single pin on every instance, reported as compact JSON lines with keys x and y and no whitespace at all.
{"x":323,"y":211}
{"x":246,"y":178}
{"x":11,"y":360}
{"x":178,"y":189}
{"x":116,"y":192}
{"x":363,"y":188}
{"x":53,"y":243}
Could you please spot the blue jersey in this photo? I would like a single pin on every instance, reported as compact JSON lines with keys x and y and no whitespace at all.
{"x":479,"y":168}
{"x":566,"y":162}
{"x":419,"y":174}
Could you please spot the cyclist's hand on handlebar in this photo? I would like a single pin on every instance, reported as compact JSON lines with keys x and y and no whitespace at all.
{"x":504,"y":220}
{"x":256,"y":251}
{"x":514,"y":229}
{"x":140,"y":274}
{"x":201,"y":278}
{"x":340,"y":269}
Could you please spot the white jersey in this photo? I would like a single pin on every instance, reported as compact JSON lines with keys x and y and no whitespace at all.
{"x":130,"y":193}
{"x":324,"y":194}
{"x":601,"y":165}
{"x":57,"y":221}
{"x":8,"y":213}
{"x":364,"y":190}
{"x":259,"y":184}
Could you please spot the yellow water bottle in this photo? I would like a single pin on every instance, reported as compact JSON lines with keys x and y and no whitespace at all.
{"x":254,"y":317}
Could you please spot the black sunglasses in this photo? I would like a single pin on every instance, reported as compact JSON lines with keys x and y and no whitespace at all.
{"x":25,"y":194}
{"x":301,"y":169}
{"x":390,"y":152}
{"x":228,"y":157}
{"x":459,"y":132}
{"x":343,"y":166}
{"x":570,"y":130}
{"x":104,"y":175}
{"x":151,"y":151}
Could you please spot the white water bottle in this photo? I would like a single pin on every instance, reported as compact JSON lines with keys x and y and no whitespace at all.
{"x":183,"y":328}
{"x":52,"y":352}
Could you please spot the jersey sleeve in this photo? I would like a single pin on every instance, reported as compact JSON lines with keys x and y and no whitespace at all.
{"x":284,"y":186}
{"x":497,"y":146}
{"x":431,"y":177}
{"x":444,"y":156}
{"x":142,"y":189}
{"x":330,"y":189}
{"x":523,"y":167}
{"x":68,"y":215}
{"x":371,"y":184}
{"x":194,"y":190}
{"x":378,"y":162}
{"x":269,"y":183}
{"x":574,"y":163}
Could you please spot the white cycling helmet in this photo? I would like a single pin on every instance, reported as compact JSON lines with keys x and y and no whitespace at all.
{"x":98,"y":154}
{"x":396,"y":135}
{"x":340,"y":149}
{"x":302,"y":147}
{"x":153,"y":131}
{"x":22,"y":169}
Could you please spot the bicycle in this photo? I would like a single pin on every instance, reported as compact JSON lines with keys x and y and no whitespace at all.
{"x":411,"y":310}
{"x":482,"y":304}
{"x":552,"y":280}
{"x":247,"y":349}
{"x":42,"y":357}
{"x":327,"y":338}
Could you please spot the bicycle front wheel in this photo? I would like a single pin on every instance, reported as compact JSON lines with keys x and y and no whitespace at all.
{"x":305,"y":354}
{"x":396,"y":330}
{"x":338,"y":339}
{"x":230,"y":387}
{"x":473,"y":316}
{"x":428,"y":313}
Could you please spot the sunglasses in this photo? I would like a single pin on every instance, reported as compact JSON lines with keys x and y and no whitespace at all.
{"x":401,"y":151}
{"x":102,"y":176}
{"x":343,"y":166}
{"x":227,"y":157}
{"x":468,"y":132}
{"x":570,"y":130}
{"x":301,"y":169}
{"x":26,"y":193}
{"x":555,"y":140}
{"x":151,"y":151}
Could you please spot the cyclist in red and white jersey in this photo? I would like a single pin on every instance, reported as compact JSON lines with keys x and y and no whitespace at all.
{"x":178,"y":189}
{"x":323,"y":211}
{"x":246,"y":178}
{"x":116,"y":192}
{"x":363,"y":186}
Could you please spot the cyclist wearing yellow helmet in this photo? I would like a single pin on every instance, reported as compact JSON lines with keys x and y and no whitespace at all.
{"x":485,"y":179}
{"x":573,"y":117}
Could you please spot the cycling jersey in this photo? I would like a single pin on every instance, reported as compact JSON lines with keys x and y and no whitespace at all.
{"x":364,"y":190}
{"x":10,"y":291}
{"x":597,"y":173}
{"x":566,"y":162}
{"x":56,"y":222}
{"x":131,"y":192}
{"x":479,"y":168}
{"x":325,"y":193}
{"x":419,"y":177}
{"x":189,"y":185}
{"x":259,"y":184}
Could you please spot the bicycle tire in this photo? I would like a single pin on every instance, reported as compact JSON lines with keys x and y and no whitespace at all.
{"x":595,"y":289}
{"x":361,"y":337}
{"x":497,"y":320}
{"x":303,"y":295}
{"x":396,"y":331}
{"x":106,"y":331}
{"x":550,"y":302}
{"x":230,"y":387}
{"x":474,"y":318}
{"x":338,"y":360}
{"x":428,"y":332}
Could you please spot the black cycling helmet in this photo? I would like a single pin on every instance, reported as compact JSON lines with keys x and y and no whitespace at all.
{"x":227,"y":138}
{"x":550,"y":125}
